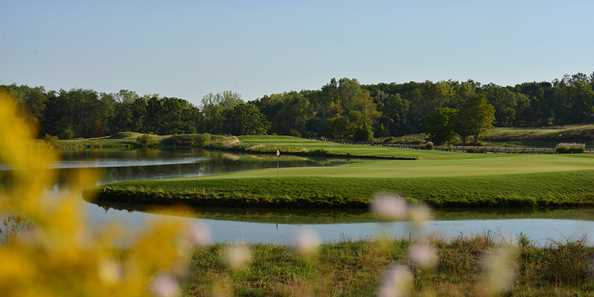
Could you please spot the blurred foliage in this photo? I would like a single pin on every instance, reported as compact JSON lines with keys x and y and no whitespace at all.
{"x":58,"y":254}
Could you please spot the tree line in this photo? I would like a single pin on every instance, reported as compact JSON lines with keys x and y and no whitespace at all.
{"x":342,"y":109}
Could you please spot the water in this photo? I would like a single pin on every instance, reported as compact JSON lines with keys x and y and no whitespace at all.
{"x":254,"y":227}
{"x":278,"y":226}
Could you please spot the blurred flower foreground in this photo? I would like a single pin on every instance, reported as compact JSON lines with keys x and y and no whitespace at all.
{"x":56,"y":254}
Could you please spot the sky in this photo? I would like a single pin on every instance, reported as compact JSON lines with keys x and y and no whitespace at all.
{"x":190,"y":48}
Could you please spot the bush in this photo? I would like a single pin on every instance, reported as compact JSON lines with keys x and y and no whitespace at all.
{"x":147,"y":140}
{"x":567,"y":263}
{"x":476,"y":150}
{"x":67,"y":133}
{"x":570,"y":148}
{"x":51,"y":140}
{"x":188,"y":140}
{"x":126,"y":134}
{"x":294,"y":132}
{"x":363,"y":134}
{"x":426,"y":146}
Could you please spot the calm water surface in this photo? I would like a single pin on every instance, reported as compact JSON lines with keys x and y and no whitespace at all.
{"x":266,"y":226}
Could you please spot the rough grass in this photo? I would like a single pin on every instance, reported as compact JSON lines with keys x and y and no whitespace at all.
{"x":120,"y":141}
{"x":548,"y":136}
{"x":510,"y":136}
{"x":355,"y":269}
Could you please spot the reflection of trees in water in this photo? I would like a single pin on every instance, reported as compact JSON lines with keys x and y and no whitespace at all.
{"x":136,"y":172}
{"x":131,"y":154}
{"x":206,"y":167}
{"x":248,"y":214}
{"x":216,"y":162}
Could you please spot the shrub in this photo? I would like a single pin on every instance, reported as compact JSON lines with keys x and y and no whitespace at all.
{"x":570,"y":148}
{"x":477,"y":150}
{"x":294,"y":132}
{"x":567,"y":263}
{"x":51,"y":140}
{"x":363,"y":134}
{"x":147,"y":140}
{"x":67,"y":133}
{"x":426,"y":146}
{"x":188,"y":140}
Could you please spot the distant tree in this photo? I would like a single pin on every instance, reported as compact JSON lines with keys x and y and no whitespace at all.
{"x":509,"y":105}
{"x":214,"y":106}
{"x":348,"y":108}
{"x":394,"y":115}
{"x":126,"y":96}
{"x":245,"y":119}
{"x":122,"y":118}
{"x":170,"y":115}
{"x":341,"y":109}
{"x":363,"y":134}
{"x":77,"y":113}
{"x":288,"y":113}
{"x":441,"y":124}
{"x":475,"y":117}
{"x":573,"y":98}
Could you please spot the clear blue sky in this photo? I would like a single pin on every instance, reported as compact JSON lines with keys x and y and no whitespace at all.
{"x":190,"y":48}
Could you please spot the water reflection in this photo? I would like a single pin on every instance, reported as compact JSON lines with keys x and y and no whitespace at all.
{"x":148,"y":164}
{"x":259,"y":226}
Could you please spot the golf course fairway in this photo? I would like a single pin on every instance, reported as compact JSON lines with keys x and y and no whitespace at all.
{"x":440,"y":179}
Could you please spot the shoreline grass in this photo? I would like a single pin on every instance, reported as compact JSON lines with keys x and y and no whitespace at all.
{"x":356,"y":268}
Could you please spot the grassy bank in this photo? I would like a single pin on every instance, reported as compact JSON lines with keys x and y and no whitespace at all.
{"x":355,"y":269}
{"x":511,"y":180}
{"x":122,"y":141}
{"x":510,"y":136}
{"x":546,"y":136}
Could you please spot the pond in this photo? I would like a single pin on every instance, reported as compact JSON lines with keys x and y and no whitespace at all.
{"x":277,"y":226}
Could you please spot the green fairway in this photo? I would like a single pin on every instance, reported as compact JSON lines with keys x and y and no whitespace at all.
{"x":442,"y":180}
